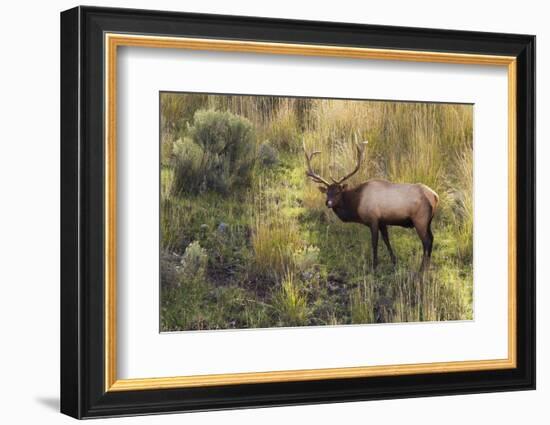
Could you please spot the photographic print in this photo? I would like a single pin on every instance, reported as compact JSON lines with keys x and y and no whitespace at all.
{"x":294,"y":211}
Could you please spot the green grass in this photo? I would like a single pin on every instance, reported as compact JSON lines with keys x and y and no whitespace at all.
{"x":276,"y":256}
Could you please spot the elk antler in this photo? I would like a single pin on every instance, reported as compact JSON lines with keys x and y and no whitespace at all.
{"x":360,"y":151}
{"x":309,"y":172}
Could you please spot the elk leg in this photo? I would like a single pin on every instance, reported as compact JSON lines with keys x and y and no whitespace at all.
{"x":374,"y":240}
{"x":430,"y":243}
{"x":426,"y":237}
{"x":386,"y":238}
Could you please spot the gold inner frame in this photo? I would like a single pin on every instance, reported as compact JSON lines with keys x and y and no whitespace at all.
{"x":113,"y":41}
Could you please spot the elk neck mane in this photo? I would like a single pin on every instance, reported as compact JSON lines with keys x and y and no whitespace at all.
{"x":347,"y":210}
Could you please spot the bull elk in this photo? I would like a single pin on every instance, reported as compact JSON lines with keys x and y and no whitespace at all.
{"x":378,"y":204}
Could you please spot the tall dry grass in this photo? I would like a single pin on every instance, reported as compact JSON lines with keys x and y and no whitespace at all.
{"x":275,"y":237}
{"x":407,"y":142}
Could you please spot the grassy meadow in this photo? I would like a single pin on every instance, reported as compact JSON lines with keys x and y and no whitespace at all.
{"x":246,"y":238}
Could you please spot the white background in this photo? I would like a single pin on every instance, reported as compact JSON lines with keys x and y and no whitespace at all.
{"x":143,"y":72}
{"x":29,"y":229}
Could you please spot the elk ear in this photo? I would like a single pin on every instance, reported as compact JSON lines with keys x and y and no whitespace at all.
{"x":322,"y":189}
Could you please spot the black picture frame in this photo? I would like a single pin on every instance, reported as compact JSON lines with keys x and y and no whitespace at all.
{"x":83,"y":392}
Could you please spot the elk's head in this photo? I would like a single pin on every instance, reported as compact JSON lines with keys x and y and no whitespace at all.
{"x":334,"y":194}
{"x":335,"y":189}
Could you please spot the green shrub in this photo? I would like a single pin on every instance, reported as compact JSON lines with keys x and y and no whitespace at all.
{"x":190,"y":167}
{"x":218,"y":155}
{"x":184,"y":304}
{"x":194,"y":261}
{"x":267,"y":154}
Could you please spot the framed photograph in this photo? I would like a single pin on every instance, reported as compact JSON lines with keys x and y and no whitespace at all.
{"x":261,"y":212}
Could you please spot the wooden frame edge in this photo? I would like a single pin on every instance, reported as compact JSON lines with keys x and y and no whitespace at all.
{"x":306,"y":375}
{"x":114,"y":40}
{"x":512,"y":212}
{"x":110,"y":213}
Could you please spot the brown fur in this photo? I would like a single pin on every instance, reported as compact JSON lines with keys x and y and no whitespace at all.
{"x":379,"y":203}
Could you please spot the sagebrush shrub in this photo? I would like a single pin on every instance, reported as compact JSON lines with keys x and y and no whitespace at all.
{"x":194,"y":261}
{"x":267,"y":154}
{"x":217,"y":155}
{"x":189,"y":167}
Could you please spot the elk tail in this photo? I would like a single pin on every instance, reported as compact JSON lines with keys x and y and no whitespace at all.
{"x":433,"y":198}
